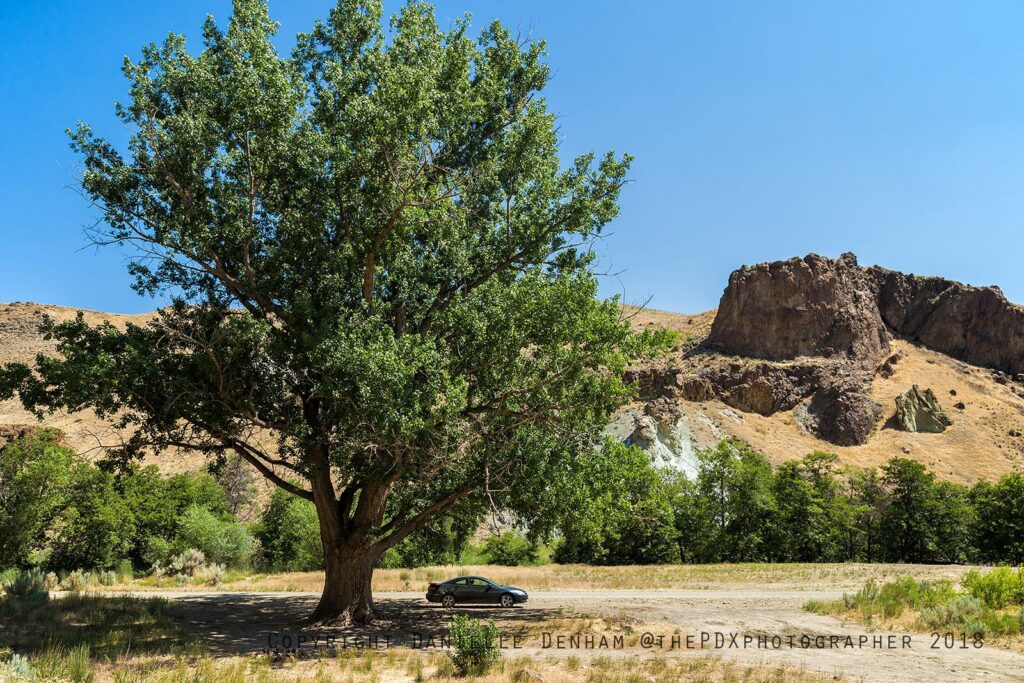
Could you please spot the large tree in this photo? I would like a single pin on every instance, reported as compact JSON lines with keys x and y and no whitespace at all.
{"x":381,"y":273}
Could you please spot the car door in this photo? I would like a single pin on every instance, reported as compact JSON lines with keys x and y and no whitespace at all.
{"x":488,"y":592}
{"x":458,"y":589}
{"x":475,"y":590}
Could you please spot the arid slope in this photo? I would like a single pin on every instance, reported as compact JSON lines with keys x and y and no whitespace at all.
{"x":984,"y":441}
{"x":981,"y":443}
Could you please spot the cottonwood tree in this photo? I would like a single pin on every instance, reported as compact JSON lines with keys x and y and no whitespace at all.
{"x":381,"y":274}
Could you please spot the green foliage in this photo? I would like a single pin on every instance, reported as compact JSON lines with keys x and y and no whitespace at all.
{"x":441,"y":540}
{"x":998,"y":588}
{"x":221,"y":541}
{"x":474,"y":644}
{"x":939,"y":606}
{"x":813,"y":520}
{"x":30,"y":583}
{"x":157,"y":503}
{"x":618,"y":511}
{"x":1000,"y":519}
{"x":727,"y":515}
{"x":37,"y":478}
{"x":377,"y":260}
{"x":963,"y":613}
{"x":510,"y":549}
{"x":17,"y":668}
{"x":186,"y":563}
{"x":77,"y":516}
{"x":78,"y":580}
{"x":289,"y":534}
{"x":95,"y":529}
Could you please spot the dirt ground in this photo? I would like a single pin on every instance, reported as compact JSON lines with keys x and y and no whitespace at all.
{"x":726,"y":622}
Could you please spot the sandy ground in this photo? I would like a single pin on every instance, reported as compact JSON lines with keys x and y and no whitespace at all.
{"x":238,"y":623}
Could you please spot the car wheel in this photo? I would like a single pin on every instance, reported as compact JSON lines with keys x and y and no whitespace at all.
{"x":448,"y":601}
{"x":507,"y":600}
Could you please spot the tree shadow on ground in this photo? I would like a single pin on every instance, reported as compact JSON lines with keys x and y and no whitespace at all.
{"x":241,"y":623}
{"x":224,"y":624}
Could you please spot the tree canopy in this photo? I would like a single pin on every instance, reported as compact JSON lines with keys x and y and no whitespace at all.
{"x":381,"y":274}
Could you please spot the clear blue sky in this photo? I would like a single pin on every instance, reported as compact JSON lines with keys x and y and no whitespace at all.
{"x":762,"y":130}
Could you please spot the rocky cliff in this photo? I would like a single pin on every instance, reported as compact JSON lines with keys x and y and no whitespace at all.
{"x":808,"y":336}
{"x":974,"y":324}
{"x":812,"y":306}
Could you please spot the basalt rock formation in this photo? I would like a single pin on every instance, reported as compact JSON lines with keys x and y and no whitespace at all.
{"x":812,"y":306}
{"x":973,"y":324}
{"x":814,"y":327}
{"x":809,"y":334}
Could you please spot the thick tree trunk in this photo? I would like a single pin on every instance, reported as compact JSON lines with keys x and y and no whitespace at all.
{"x":347,"y":596}
{"x":349,"y":554}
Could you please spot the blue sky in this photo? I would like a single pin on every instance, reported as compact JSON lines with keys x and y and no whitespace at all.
{"x":761,"y":130}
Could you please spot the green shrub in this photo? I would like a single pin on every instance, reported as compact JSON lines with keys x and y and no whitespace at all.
{"x":962,"y":613}
{"x":157,"y":551}
{"x":26,"y":584}
{"x":892,"y":598}
{"x":125,"y":570}
{"x":475,"y":645}
{"x":7,"y":575}
{"x":17,"y":668}
{"x":36,"y":480}
{"x":78,"y":580}
{"x":107,"y":578}
{"x":997,"y":588}
{"x":95,"y":529}
{"x":211,"y":574}
{"x":510,"y":549}
{"x":220,"y":541}
{"x":186,"y":563}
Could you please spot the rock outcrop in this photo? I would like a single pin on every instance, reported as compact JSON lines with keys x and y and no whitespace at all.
{"x":810,"y":334}
{"x":840,"y":410}
{"x":919,"y":411}
{"x":815,"y":326}
{"x":973,"y":324}
{"x":812,"y":306}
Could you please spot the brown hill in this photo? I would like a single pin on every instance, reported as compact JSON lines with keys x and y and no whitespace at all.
{"x":20,"y":341}
{"x":817,"y":365}
{"x":810,"y":354}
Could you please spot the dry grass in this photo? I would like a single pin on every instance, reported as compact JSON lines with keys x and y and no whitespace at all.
{"x":848,"y":576}
{"x":409,"y":666}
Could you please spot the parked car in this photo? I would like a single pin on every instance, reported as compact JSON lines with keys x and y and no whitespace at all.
{"x":476,"y":590}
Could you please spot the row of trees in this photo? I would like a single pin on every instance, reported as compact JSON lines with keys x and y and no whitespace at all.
{"x":740,"y":508}
{"x":64,"y":513}
{"x":614,"y":508}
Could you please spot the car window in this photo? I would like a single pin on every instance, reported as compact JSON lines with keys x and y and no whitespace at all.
{"x":479,"y":582}
{"x":460,"y":582}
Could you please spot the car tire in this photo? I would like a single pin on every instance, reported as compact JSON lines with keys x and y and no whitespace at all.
{"x":507,"y":600}
{"x":448,"y":601}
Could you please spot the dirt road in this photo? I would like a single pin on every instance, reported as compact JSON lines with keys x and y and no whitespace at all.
{"x":749,"y":626}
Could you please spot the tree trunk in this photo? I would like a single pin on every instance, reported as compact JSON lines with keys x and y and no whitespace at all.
{"x":349,"y":555}
{"x":347,"y":596}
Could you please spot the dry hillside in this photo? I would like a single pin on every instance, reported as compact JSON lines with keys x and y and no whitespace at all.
{"x":20,"y":341}
{"x":983,"y":441}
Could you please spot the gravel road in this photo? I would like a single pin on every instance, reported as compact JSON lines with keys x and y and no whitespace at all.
{"x":746,"y":625}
